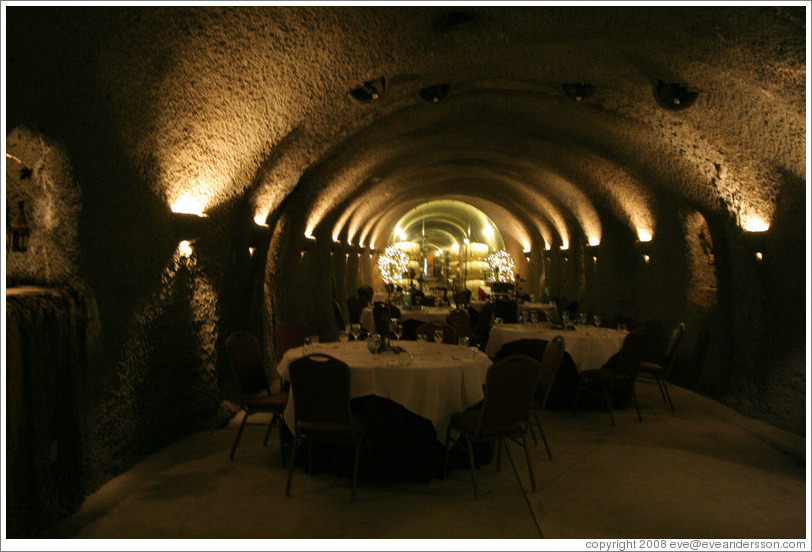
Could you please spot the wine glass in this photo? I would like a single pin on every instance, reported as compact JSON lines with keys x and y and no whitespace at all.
{"x":355,"y":330}
{"x":534,"y":317}
{"x":438,"y":336}
{"x":373,"y":342}
{"x":398,"y":331}
{"x":306,"y":343}
{"x":565,"y":318}
{"x":582,"y":318}
{"x":421,"y":339}
{"x":596,"y":318}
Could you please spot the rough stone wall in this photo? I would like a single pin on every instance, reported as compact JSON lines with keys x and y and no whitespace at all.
{"x":148,"y":369}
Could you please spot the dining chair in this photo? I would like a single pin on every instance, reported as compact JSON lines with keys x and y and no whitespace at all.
{"x":462,"y":299}
{"x":427,"y":301}
{"x":507,"y":310}
{"x":321,"y":409}
{"x":290,"y":336}
{"x":382,"y":314}
{"x":549,"y":354}
{"x":460,"y":320}
{"x":659,"y":371}
{"x":617,"y":376}
{"x":449,"y":333}
{"x":255,"y":392}
{"x":355,"y":306}
{"x":483,"y":326}
{"x":509,"y":387}
{"x":410,"y":328}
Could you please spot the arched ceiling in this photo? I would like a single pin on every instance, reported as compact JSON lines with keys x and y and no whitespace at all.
{"x":227,"y":101}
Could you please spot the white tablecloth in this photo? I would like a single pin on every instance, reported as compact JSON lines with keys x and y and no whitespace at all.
{"x":434,"y":315}
{"x":440,"y":381}
{"x":589,"y":347}
{"x":549,"y":308}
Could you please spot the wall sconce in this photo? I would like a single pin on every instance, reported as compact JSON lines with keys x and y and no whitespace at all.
{"x":435,"y":93}
{"x":645,"y":250}
{"x":579,"y":91}
{"x":370,"y":91}
{"x":189,"y":226}
{"x":674,"y":96}
{"x":757,"y":243}
{"x":259,"y":235}
{"x":185,"y":249}
{"x":20,"y":230}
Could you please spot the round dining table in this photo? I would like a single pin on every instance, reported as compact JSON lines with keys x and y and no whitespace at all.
{"x":432,"y":380}
{"x":432,"y":315}
{"x":589,"y":346}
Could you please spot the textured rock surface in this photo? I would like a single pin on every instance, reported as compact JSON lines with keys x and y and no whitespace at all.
{"x":122,"y":112}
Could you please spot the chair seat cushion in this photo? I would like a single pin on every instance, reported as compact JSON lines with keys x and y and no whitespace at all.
{"x":468,"y":421}
{"x":604,"y":377}
{"x":652,"y":368}
{"x":268,"y":403}
{"x":334,"y":432}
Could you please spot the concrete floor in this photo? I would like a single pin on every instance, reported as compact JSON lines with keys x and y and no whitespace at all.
{"x":703,"y":471}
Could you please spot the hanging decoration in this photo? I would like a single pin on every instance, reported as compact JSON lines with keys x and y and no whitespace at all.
{"x":501,"y":265}
{"x":392,"y":263}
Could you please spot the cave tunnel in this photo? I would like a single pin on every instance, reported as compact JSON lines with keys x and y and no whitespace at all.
{"x":186,"y":172}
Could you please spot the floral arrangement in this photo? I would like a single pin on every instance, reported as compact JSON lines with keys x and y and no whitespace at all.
{"x":501,"y":265}
{"x":392,"y":263}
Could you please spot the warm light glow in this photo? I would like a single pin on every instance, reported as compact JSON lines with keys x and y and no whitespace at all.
{"x":309,"y":236}
{"x":754,"y":224}
{"x":594,"y":259}
{"x":392,"y":263}
{"x":185,"y":248}
{"x":488,"y":231}
{"x":502,"y":266}
{"x":646,"y":258}
{"x":759,"y":256}
{"x":594,"y":241}
{"x":564,"y":247}
{"x":251,"y":251}
{"x":547,"y":246}
{"x":644,"y":235}
{"x":189,"y":205}
{"x":400,"y":233}
{"x":466,"y":241}
{"x":260,"y":219}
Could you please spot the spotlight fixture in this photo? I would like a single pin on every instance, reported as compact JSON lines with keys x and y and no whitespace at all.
{"x":189,"y":226}
{"x":674,"y":96}
{"x":435,"y":93}
{"x":370,"y":91}
{"x":578,"y":91}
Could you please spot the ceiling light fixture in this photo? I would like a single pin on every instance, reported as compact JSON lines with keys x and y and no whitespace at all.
{"x":674,"y":96}
{"x":578,"y":91}
{"x":435,"y":93}
{"x":370,"y":91}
